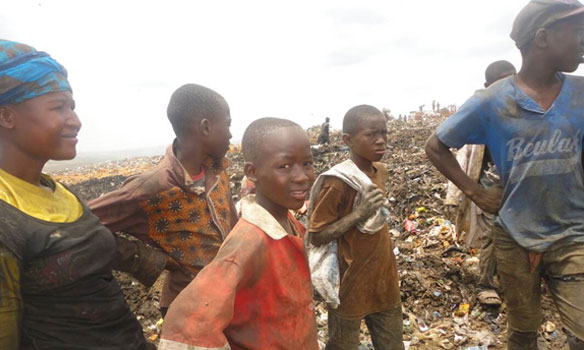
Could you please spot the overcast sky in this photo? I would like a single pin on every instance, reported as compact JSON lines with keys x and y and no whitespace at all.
{"x":302,"y":60}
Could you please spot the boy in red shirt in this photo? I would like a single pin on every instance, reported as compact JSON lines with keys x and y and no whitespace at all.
{"x":256,"y":293}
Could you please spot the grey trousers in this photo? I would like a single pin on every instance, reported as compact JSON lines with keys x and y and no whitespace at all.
{"x":385,"y":327}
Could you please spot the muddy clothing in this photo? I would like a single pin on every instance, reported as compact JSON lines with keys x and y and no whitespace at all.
{"x":536,"y":152}
{"x":369,"y":280}
{"x":562,"y":267}
{"x":256,"y":294}
{"x":56,"y":285}
{"x":385,"y":327}
{"x":170,"y":210}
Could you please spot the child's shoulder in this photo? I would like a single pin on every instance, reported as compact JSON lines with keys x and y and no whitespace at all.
{"x":498,"y":91}
{"x":150,"y":182}
{"x":334,"y":182}
{"x":245,"y":238}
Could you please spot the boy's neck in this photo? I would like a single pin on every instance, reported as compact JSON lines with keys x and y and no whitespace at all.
{"x":190,"y":157}
{"x":278,"y":212}
{"x":539,"y":80}
{"x":363,"y":164}
{"x":536,"y":74}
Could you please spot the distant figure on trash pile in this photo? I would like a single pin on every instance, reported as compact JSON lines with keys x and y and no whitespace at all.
{"x":183,"y":206}
{"x":323,"y":137}
{"x":57,"y":290}
{"x":354,"y":191}
{"x":533,"y":127}
{"x":256,"y":293}
{"x":477,"y":163}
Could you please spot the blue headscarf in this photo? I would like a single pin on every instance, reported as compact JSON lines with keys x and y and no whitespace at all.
{"x":26,"y":73}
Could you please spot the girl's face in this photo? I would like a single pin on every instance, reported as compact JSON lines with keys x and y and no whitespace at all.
{"x":45,"y":127}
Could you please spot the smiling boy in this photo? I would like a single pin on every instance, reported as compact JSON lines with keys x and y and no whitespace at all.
{"x":256,"y":294}
{"x":369,"y":282}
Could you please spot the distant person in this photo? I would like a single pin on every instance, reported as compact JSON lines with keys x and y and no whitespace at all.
{"x":56,"y":285}
{"x":369,"y":287}
{"x":183,"y":206}
{"x":533,"y":127}
{"x":477,"y":162}
{"x":256,"y":294}
{"x":323,"y":137}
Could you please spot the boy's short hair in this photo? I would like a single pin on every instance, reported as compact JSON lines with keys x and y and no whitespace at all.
{"x":191,"y":103}
{"x":355,"y":116}
{"x":539,"y":14}
{"x":255,"y":133}
{"x":496,"y":69}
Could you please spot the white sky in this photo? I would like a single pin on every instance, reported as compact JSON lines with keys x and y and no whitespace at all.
{"x":302,"y":60}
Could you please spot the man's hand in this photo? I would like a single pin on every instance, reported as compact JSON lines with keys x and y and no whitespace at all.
{"x":371,"y":200}
{"x":488,"y":199}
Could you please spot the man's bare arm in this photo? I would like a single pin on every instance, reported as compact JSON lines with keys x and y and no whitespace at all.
{"x":487,"y":199}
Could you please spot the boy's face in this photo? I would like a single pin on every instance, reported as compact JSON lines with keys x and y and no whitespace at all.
{"x":45,"y":127}
{"x":566,"y":44}
{"x":368,"y":142}
{"x":283,"y":172}
{"x":219,"y":135}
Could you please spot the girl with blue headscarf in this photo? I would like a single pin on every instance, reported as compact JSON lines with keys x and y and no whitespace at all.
{"x":56,"y":285}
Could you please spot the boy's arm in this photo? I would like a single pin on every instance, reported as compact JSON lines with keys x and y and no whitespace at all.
{"x":204,"y":309}
{"x":371,"y":200}
{"x":439,"y":154}
{"x":143,"y":262}
{"x":119,"y":210}
{"x":10,"y":300}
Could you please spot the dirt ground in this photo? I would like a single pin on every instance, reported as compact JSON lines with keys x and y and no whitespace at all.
{"x":438,"y":274}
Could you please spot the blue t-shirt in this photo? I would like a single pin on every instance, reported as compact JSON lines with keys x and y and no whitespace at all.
{"x":537,"y":153}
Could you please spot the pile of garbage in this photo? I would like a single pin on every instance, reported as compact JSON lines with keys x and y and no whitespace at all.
{"x":438,"y":273}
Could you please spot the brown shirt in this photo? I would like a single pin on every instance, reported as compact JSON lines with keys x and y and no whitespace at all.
{"x":369,"y":280}
{"x":169,"y":210}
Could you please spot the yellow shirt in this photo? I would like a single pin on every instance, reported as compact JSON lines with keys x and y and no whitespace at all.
{"x":44,"y":203}
{"x":53,"y":203}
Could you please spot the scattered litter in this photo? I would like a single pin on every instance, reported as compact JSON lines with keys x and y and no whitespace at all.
{"x":437,"y":271}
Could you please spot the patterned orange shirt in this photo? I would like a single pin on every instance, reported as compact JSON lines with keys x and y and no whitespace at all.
{"x":166,"y":208}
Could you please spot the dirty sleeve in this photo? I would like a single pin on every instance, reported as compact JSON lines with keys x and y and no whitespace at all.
{"x":328,"y":205}
{"x":119,"y":210}
{"x":467,"y":126}
{"x":200,"y":314}
{"x":10,"y":299}
{"x":135,"y":257}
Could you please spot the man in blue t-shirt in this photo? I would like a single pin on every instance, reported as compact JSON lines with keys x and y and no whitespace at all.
{"x":533,"y":125}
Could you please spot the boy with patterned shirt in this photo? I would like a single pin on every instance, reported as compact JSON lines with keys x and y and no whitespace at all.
{"x":532,"y":124}
{"x":256,"y":293}
{"x":184,"y":205}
